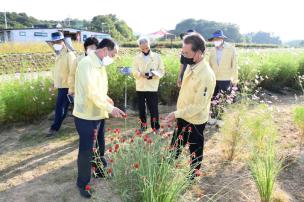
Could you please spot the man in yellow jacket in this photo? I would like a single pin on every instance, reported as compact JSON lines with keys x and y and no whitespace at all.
{"x":193,"y":104}
{"x":91,"y":107}
{"x":65,"y":61}
{"x":223,"y":61}
{"x":148,"y":69}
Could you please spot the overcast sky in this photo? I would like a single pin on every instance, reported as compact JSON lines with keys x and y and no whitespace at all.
{"x":281,"y":17}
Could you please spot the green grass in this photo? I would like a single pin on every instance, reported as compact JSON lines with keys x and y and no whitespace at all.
{"x":23,"y":100}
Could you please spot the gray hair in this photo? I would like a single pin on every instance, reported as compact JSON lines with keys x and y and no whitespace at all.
{"x":143,"y":40}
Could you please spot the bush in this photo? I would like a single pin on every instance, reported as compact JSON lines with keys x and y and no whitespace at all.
{"x":145,"y":171}
{"x":25,"y":100}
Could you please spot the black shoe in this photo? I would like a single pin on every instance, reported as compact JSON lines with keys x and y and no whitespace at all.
{"x":86,"y":193}
{"x":51,"y":133}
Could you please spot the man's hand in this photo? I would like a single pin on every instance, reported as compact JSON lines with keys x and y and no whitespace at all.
{"x":110,"y":101}
{"x":170,"y":118}
{"x":71,"y":93}
{"x":117,"y":113}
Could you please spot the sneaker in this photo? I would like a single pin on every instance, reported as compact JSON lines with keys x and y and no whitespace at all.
{"x":51,"y":133}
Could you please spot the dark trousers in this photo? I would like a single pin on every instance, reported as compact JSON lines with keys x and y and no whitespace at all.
{"x":87,"y":130}
{"x":194,"y":137}
{"x":61,"y":110}
{"x":151,"y":100}
{"x":222,"y":86}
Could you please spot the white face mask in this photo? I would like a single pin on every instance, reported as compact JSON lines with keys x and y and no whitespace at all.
{"x":57,"y":47}
{"x":217,"y":43}
{"x":107,"y":60}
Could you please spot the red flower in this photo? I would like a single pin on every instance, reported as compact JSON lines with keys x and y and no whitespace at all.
{"x":184,"y":129}
{"x":125,"y":116}
{"x":110,"y":170}
{"x":110,"y":149}
{"x":144,"y":124}
{"x":180,"y":137}
{"x":111,"y":161}
{"x":169,"y":126}
{"x":146,"y":137}
{"x":87,"y":187}
{"x":122,"y":140}
{"x":136,"y":166}
{"x":154,"y":129}
{"x":190,"y":129}
{"x":109,"y":129}
{"x":137,"y":132}
{"x":111,"y":139}
{"x":116,"y":147}
{"x":149,"y":141}
{"x":117,"y":131}
{"x":132,"y":140}
{"x":154,"y":119}
{"x":197,"y":172}
{"x":162,"y":126}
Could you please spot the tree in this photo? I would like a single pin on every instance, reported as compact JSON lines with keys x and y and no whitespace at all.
{"x":206,"y":28}
{"x":111,"y":24}
{"x":264,"y":38}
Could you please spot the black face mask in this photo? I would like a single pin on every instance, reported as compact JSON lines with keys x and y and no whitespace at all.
{"x":189,"y":61}
{"x":146,"y":54}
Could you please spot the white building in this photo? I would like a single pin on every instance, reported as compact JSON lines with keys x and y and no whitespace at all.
{"x":44,"y":34}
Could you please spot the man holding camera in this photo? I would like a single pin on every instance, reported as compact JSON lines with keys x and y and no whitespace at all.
{"x":148,"y":70}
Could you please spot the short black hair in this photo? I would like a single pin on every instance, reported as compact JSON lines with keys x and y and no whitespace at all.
{"x":197,"y":41}
{"x":90,"y":41}
{"x":109,"y":43}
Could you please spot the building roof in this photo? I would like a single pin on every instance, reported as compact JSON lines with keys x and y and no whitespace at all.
{"x":66,"y":28}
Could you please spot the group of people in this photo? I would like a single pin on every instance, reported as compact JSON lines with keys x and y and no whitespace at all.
{"x":84,"y":82}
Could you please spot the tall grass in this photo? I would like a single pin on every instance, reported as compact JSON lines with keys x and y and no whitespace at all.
{"x":233,"y":131}
{"x":299,"y":120}
{"x":264,"y":163}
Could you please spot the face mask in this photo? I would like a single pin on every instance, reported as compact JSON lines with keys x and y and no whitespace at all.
{"x":89,"y":51}
{"x":217,"y":43}
{"x":189,"y":61}
{"x":107,"y":60}
{"x":57,"y":47}
{"x":146,"y":54}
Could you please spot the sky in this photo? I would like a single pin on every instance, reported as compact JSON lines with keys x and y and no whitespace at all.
{"x":281,"y":17}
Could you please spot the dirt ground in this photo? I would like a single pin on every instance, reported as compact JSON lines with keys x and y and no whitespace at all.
{"x":35,"y":168}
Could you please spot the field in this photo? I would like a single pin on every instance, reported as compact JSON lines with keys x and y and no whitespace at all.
{"x":256,"y":154}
